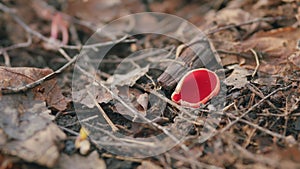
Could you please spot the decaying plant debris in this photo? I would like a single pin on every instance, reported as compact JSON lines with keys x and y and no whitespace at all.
{"x":257,"y":113}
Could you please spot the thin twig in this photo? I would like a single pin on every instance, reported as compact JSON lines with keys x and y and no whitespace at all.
{"x":63,"y":52}
{"x":69,"y":130}
{"x":83,"y":120}
{"x":111,"y":124}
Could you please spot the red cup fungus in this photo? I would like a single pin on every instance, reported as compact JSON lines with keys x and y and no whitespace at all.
{"x":196,"y":87}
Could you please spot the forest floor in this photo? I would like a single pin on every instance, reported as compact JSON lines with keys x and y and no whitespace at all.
{"x":63,"y":105}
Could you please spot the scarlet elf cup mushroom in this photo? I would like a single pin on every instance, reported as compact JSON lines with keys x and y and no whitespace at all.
{"x":196,"y":87}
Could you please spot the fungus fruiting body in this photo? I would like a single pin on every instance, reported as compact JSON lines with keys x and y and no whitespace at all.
{"x":196,"y":87}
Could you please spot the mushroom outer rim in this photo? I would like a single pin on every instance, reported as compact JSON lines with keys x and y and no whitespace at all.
{"x":203,"y":101}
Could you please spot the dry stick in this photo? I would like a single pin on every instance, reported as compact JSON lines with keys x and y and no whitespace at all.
{"x":65,"y":55}
{"x":250,"y":109}
{"x":11,"y":90}
{"x":69,"y":130}
{"x":87,"y":119}
{"x":111,"y":124}
{"x":51,"y":41}
{"x":83,"y":120}
{"x":271,"y":114}
{"x":257,"y":62}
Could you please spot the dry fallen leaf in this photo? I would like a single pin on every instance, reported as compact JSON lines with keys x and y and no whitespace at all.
{"x":27,"y":130}
{"x":42,"y":148}
{"x":274,"y":49}
{"x":22,"y":118}
{"x":275,"y":46}
{"x":272,"y":46}
{"x":48,"y":91}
